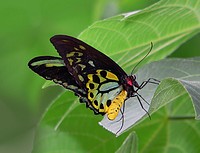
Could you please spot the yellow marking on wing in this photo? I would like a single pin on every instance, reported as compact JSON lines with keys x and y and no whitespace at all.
{"x":106,"y":108}
{"x":76,"y":48}
{"x":78,"y":60}
{"x":80,"y":78}
{"x":90,"y":76}
{"x":88,"y":85}
{"x":97,"y":98}
{"x":70,"y":54}
{"x":102,"y":79}
{"x":79,"y":53}
{"x":73,"y":54}
{"x":98,"y":71}
{"x":116,"y":105}
{"x":82,"y":66}
{"x":111,"y":76}
{"x":70,"y":61}
{"x":54,"y":64}
{"x":64,"y":40}
{"x":82,"y":47}
{"x":94,"y":93}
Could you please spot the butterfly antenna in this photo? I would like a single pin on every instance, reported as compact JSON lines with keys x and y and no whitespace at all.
{"x":142,"y":58}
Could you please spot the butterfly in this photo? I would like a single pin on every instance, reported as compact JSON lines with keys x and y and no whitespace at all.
{"x":95,"y":78}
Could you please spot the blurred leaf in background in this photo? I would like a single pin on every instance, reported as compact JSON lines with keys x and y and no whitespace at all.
{"x":26,"y":27}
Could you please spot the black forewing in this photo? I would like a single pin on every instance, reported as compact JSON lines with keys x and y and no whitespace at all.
{"x":66,"y":44}
{"x":53,"y":68}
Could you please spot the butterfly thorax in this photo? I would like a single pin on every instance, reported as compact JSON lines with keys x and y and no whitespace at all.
{"x":130,"y":83}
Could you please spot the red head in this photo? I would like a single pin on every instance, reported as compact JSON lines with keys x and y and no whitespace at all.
{"x":131,"y":81}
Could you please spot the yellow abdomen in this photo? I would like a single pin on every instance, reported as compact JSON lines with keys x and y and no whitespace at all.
{"x":116,"y":105}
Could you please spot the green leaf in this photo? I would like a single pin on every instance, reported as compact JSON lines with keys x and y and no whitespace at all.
{"x":47,"y":84}
{"x":129,"y":145}
{"x":187,"y":82}
{"x":126,"y":38}
{"x":173,"y":128}
{"x":193,"y":88}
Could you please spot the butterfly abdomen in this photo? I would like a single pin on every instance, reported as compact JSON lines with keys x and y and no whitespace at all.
{"x":116,"y":105}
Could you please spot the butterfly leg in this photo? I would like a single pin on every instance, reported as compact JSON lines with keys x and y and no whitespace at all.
{"x":138,"y":97}
{"x":122,"y":118}
{"x":150,"y":80}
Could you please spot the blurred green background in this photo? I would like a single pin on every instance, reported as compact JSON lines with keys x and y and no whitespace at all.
{"x":26,"y":27}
